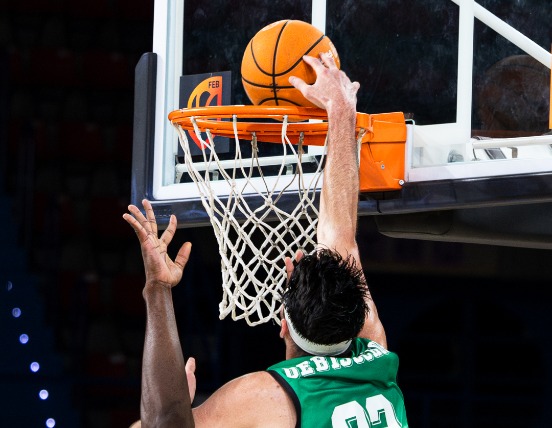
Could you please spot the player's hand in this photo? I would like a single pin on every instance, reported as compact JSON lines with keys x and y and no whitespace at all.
{"x":289,"y":263}
{"x":332,"y":88}
{"x":160,"y":269}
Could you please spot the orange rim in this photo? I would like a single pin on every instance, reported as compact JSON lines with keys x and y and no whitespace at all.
{"x":209,"y":118}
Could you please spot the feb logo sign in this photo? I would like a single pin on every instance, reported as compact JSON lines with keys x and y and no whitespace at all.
{"x":202,"y":90}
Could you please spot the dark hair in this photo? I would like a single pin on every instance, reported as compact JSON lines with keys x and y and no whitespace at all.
{"x":325,"y":297}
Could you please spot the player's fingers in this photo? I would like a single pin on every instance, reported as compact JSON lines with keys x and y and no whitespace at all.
{"x":328,"y":60}
{"x":298,"y":83}
{"x":137,"y":222}
{"x":135,"y":211}
{"x":289,"y":267}
{"x":190,"y":365}
{"x":169,"y":232}
{"x":183,"y":255}
{"x":150,"y":216}
{"x":299,"y":255}
{"x":190,"y":376}
{"x":355,"y":86}
{"x":315,"y":63}
{"x":306,"y":90}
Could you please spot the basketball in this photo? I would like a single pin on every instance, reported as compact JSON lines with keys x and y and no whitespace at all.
{"x":274,"y":54}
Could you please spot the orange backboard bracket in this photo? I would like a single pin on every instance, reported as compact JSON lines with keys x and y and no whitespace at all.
{"x":382,"y":154}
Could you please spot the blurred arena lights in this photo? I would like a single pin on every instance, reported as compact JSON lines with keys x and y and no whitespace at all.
{"x":34,"y":366}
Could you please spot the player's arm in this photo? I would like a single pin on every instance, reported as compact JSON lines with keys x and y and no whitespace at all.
{"x":168,"y":385}
{"x":337,"y":221}
{"x":165,"y":400}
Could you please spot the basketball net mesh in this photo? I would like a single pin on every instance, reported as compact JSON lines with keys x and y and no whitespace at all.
{"x":254,"y":238}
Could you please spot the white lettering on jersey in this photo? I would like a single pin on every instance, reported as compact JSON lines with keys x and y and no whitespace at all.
{"x":322,"y":364}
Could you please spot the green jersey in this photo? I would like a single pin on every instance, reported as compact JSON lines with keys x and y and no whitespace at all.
{"x":356,"y":391}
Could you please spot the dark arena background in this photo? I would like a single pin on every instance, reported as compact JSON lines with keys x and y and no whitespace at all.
{"x":471,"y":323}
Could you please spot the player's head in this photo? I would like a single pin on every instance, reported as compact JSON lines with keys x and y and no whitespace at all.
{"x":325,"y":302}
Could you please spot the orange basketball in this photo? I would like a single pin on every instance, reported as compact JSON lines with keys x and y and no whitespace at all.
{"x":274,"y":54}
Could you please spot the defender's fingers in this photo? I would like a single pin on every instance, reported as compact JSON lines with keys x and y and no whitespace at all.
{"x":135,"y":211}
{"x":169,"y":232}
{"x":183,"y":255}
{"x":137,"y":226}
{"x":150,"y":215}
{"x":299,"y":255}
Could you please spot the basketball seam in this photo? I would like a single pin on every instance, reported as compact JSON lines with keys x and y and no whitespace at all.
{"x":259,"y":85}
{"x":301,"y":58}
{"x":264,"y":100}
{"x":274,"y":62}
{"x":255,"y":60}
{"x":286,"y":71}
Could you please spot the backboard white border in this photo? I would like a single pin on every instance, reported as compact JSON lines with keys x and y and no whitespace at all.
{"x":169,"y":68}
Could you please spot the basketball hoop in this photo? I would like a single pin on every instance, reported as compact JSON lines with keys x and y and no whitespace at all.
{"x":254,"y":238}
{"x":242,"y":126}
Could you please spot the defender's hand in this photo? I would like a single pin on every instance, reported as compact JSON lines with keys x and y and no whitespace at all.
{"x":159,"y":267}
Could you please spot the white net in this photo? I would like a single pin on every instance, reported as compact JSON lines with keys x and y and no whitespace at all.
{"x":256,"y":225}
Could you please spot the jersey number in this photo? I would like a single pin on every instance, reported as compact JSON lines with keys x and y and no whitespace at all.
{"x":379,"y":414}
